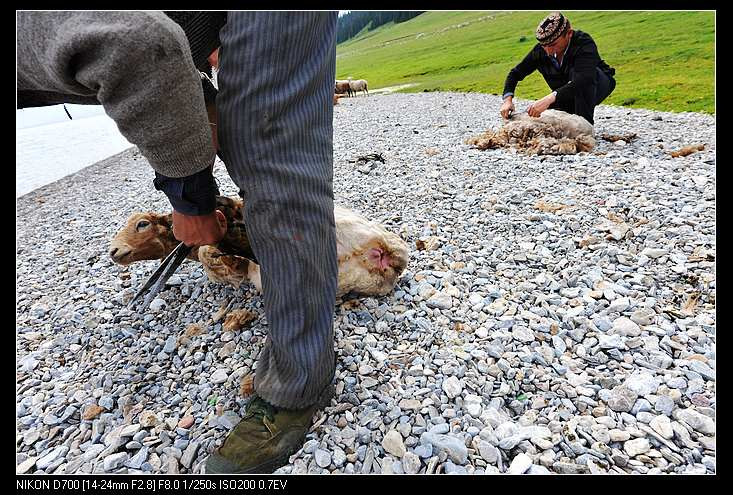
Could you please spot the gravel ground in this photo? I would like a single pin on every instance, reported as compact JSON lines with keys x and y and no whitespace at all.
{"x":560,"y":318}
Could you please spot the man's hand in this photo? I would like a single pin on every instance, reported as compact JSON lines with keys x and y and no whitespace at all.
{"x":539,"y":106}
{"x":199,"y":230}
{"x":507,"y":107}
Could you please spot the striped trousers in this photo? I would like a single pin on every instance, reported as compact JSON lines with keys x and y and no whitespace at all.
{"x":275,"y":131}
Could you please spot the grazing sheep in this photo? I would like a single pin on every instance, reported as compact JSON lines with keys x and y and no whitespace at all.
{"x":343,"y":87}
{"x":370,"y":259}
{"x":358,"y":85}
{"x":553,"y":133}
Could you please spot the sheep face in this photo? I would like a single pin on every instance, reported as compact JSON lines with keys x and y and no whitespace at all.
{"x":370,"y":258}
{"x":146,"y":236}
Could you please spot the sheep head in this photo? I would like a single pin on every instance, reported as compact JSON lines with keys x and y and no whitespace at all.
{"x":145,"y":236}
{"x":370,"y":258}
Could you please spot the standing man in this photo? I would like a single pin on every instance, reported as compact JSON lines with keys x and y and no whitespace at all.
{"x":569,"y":61}
{"x":275,"y":135}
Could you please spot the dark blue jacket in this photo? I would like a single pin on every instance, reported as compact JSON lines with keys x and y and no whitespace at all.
{"x":581,"y":56}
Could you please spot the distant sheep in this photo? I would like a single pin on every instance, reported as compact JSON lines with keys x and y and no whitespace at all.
{"x":553,"y":133}
{"x":343,"y":87}
{"x":359,"y":85}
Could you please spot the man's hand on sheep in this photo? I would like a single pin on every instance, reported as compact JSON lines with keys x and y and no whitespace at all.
{"x":199,"y":230}
{"x":507,"y":108}
{"x":539,"y":106}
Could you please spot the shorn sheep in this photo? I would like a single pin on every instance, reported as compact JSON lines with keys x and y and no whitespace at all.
{"x":370,"y":258}
{"x":553,"y":133}
{"x":358,"y":85}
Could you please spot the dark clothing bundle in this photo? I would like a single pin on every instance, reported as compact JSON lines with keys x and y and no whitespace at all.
{"x":582,"y":81}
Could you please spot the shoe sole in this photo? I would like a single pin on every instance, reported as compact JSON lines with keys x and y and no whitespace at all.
{"x":269,"y":466}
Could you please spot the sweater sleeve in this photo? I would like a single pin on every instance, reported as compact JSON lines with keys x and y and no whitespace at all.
{"x":586,"y":61}
{"x":518,"y":73}
{"x":138,"y":65}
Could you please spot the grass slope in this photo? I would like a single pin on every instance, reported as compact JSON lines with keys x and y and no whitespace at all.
{"x":663,"y":60}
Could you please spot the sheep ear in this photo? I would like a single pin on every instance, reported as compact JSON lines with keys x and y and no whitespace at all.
{"x":164,"y":220}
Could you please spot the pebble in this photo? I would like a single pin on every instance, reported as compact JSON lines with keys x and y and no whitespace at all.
{"x":411,"y":463}
{"x":323,"y":458}
{"x":452,"y":386}
{"x":393,"y":443}
{"x":454,"y":447}
{"x":699,"y":422}
{"x":114,"y":461}
{"x":636,"y":446}
{"x":220,"y":376}
{"x":520,"y":464}
{"x":662,"y":425}
{"x":622,"y":399}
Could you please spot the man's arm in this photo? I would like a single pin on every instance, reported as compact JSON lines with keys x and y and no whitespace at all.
{"x":518,"y":73}
{"x":138,"y":65}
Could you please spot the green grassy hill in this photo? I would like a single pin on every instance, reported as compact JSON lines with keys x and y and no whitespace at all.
{"x":663,"y":60}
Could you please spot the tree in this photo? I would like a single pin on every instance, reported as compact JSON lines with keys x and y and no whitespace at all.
{"x":349,"y":25}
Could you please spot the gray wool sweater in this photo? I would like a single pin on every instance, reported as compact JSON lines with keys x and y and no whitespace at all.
{"x":138,"y":65}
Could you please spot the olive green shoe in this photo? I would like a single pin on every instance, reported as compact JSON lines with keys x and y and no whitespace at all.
{"x":265,"y":437}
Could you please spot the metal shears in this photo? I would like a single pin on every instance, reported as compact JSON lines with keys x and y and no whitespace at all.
{"x":158,"y":279}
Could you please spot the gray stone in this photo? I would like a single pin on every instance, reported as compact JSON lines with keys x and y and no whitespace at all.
{"x":619,"y":305}
{"x":393,"y":444}
{"x":569,"y":468}
{"x":641,"y":405}
{"x":642,"y":383}
{"x":57,"y":452}
{"x":488,"y":452}
{"x":170,"y":344}
{"x":157,"y":304}
{"x":452,"y":386}
{"x":622,"y":399}
{"x":653,"y":252}
{"x":610,"y":341}
{"x":662,"y":425}
{"x":703,"y":369}
{"x":188,"y":455}
{"x":643,"y":316}
{"x":637,"y":446}
{"x":440,"y":300}
{"x":114,"y":461}
{"x":451,"y":468}
{"x":220,"y":376}
{"x":523,"y":334}
{"x":521,"y":463}
{"x":664,"y":405}
{"x":138,"y":459}
{"x":699,"y":422}
{"x":338,"y":457}
{"x":537,"y":469}
{"x":411,"y":463}
{"x":454,"y":447}
{"x":229,"y":419}
{"x":425,"y":451}
{"x":626,"y":327}
{"x":323,"y":458}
